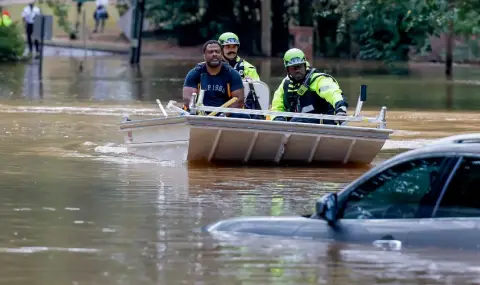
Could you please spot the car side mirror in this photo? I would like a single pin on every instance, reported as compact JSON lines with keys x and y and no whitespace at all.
{"x":327,"y":207}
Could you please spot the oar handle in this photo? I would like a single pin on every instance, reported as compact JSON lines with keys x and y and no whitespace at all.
{"x":228,"y":103}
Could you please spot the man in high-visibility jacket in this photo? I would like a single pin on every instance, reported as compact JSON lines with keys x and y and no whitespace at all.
{"x":5,"y":20}
{"x":230,"y":45}
{"x":306,"y":90}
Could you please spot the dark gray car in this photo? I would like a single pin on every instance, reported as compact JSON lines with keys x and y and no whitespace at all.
{"x":424,"y":197}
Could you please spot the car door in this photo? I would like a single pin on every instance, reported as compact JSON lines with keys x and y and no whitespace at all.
{"x":455,"y":221}
{"x":388,"y":204}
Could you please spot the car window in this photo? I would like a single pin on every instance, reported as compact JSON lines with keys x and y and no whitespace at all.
{"x":401,"y":191}
{"x":462,"y":196}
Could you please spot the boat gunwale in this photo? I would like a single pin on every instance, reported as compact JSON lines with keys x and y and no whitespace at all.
{"x":361,"y":138}
{"x":236,"y":123}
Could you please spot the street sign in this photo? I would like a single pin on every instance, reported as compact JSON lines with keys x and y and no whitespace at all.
{"x":37,"y":27}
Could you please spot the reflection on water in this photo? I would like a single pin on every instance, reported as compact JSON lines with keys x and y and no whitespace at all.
{"x":33,"y":85}
{"x":111,"y":79}
{"x":77,"y":209}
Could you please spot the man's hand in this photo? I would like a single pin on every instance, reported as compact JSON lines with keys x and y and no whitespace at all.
{"x":280,"y":118}
{"x":187,"y":94}
{"x":341,"y":111}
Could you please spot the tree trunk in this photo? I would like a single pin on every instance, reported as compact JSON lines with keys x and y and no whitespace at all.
{"x":280,"y":34}
{"x":449,"y":56}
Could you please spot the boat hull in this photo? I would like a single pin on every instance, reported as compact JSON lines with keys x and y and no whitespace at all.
{"x":211,"y":139}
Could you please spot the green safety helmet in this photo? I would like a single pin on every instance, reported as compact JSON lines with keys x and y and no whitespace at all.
{"x":294,"y":56}
{"x":228,"y":39}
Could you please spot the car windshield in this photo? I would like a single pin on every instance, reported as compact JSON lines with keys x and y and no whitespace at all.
{"x":404,"y":186}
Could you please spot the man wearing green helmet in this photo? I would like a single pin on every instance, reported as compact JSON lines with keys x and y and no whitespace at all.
{"x":306,"y":90}
{"x":230,"y":45}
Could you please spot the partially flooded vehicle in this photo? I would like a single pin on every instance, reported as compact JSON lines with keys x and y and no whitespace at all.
{"x":424,"y":197}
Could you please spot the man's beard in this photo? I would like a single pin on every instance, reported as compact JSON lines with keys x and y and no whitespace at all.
{"x":298,"y":77}
{"x":212,"y":63}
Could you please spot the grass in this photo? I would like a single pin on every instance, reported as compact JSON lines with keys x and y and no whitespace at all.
{"x":89,"y":7}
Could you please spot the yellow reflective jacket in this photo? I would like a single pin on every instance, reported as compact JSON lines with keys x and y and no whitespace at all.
{"x":321,"y":84}
{"x":246,"y":69}
{"x":5,"y":20}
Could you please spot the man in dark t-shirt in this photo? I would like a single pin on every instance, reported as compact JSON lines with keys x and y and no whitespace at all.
{"x":219,"y":81}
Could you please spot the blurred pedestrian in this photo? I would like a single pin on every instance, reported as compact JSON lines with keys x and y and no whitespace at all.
{"x":28,"y":15}
{"x":100,"y":15}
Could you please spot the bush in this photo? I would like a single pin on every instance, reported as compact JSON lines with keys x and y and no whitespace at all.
{"x":12,"y":44}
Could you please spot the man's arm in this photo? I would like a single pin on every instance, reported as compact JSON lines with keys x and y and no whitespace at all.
{"x":236,"y":89}
{"x":277,"y":103}
{"x":190,"y":86}
{"x":24,"y":14}
{"x":329,"y":90}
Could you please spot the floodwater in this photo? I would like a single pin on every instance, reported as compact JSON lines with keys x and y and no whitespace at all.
{"x":77,"y":209}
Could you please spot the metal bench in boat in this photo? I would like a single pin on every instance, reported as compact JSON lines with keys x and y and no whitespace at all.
{"x":212,"y":138}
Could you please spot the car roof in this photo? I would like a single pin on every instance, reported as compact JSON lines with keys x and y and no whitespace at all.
{"x":464,"y":143}
{"x":468,"y":144}
{"x":473,"y":138}
{"x":446,"y":148}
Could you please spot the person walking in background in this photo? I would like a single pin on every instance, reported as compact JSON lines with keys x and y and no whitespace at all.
{"x":100,"y":15}
{"x":28,"y":15}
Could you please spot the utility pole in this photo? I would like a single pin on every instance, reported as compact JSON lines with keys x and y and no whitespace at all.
{"x":266,"y":19}
{"x":42,"y":36}
{"x":138,"y":15}
{"x":450,"y":39}
{"x":140,"y":29}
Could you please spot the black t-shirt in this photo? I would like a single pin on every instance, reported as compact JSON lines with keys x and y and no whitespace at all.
{"x":217,"y":87}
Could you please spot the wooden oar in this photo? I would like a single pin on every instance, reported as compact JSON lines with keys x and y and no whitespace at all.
{"x":228,"y":103}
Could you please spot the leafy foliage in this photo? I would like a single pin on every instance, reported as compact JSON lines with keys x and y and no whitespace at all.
{"x":386,"y":30}
{"x":172,"y":13}
{"x":467,"y":17}
{"x":122,"y":7}
{"x":369,"y":29}
{"x":12,"y":44}
{"x":193,"y":24}
{"x":60,"y":10}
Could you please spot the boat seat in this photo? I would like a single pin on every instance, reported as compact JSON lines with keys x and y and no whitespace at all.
{"x":262,"y":91}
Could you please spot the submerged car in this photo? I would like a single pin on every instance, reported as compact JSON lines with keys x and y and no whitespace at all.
{"x":424,"y":197}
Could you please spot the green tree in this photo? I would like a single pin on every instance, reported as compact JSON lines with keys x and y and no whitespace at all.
{"x":467,"y":17}
{"x":388,"y":29}
{"x":60,"y":11}
{"x":193,"y":24}
{"x":12,"y":44}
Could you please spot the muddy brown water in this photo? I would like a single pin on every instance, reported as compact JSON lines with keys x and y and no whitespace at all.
{"x":77,"y":209}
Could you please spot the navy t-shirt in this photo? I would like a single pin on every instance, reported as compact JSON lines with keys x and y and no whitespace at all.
{"x":215,"y":86}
